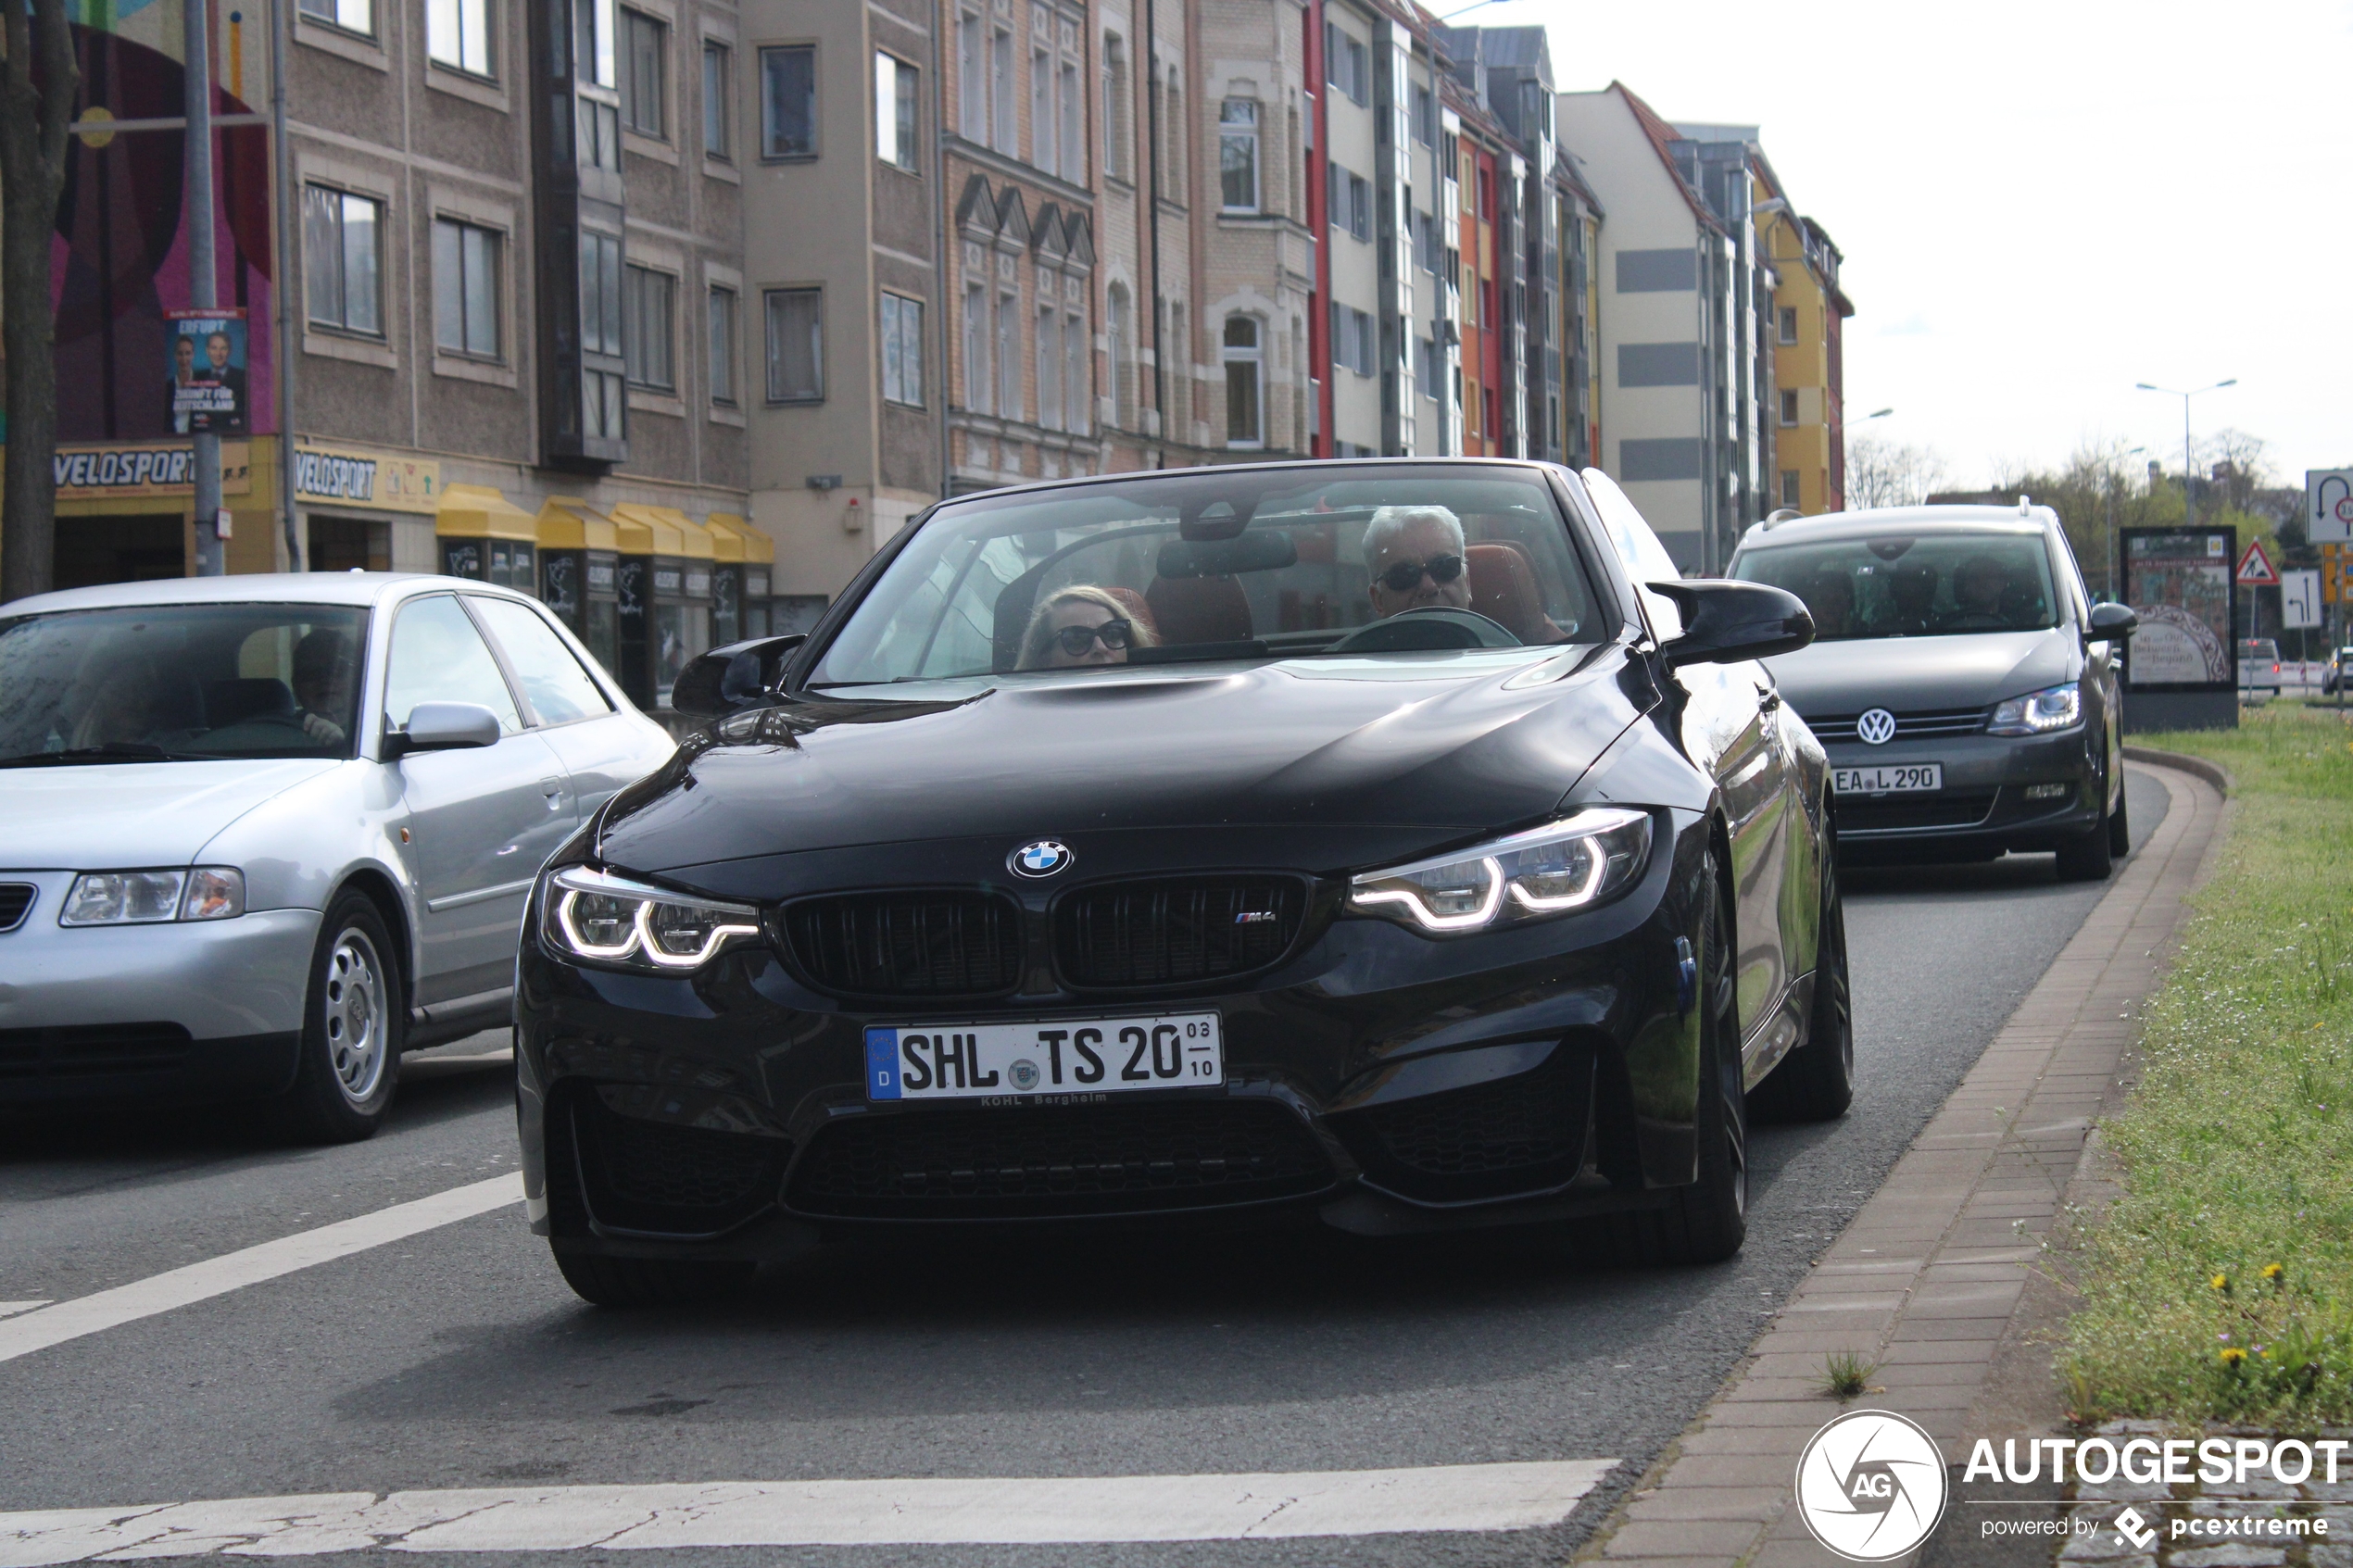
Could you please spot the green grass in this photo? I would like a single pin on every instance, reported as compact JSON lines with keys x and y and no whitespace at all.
{"x":2237,"y":1146}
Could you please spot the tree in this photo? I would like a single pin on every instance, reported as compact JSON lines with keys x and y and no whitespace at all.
{"x":36,"y":106}
{"x":1879,"y":473}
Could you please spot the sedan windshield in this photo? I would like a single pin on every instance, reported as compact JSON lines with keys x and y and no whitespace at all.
{"x":1222,"y":564}
{"x":1906,"y":585}
{"x":166,"y":682}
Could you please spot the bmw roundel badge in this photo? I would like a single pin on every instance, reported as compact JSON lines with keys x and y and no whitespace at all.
{"x":1041,"y":856}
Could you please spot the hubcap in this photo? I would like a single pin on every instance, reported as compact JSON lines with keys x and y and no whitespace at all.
{"x":354,"y":1015}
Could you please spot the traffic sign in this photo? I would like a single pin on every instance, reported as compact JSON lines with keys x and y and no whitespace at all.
{"x":2328,"y":504}
{"x":2255,"y":568}
{"x":2299,"y":600}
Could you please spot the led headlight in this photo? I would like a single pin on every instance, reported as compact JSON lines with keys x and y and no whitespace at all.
{"x":1571,"y":864}
{"x":606,"y":918}
{"x":2039,"y":713}
{"x":153,"y":898}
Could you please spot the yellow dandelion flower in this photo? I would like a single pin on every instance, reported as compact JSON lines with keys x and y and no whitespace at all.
{"x":2221,"y":1282}
{"x":2232,"y":1356}
{"x":2275,"y":1272}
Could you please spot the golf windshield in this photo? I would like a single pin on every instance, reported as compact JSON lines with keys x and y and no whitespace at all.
{"x":180,"y":682}
{"x":1222,"y":564}
{"x":1912,"y":585}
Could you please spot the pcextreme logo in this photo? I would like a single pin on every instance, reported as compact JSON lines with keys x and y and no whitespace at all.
{"x":1871,"y":1486}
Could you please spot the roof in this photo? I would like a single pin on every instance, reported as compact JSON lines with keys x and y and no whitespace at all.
{"x":1663,"y":138}
{"x":362,"y":588}
{"x":1905,"y":519}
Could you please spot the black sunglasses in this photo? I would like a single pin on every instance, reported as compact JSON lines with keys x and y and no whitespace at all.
{"x":1401,"y":577}
{"x":1077,"y":640}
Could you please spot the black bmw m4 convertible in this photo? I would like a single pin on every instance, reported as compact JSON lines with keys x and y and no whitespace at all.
{"x":1395,"y":844}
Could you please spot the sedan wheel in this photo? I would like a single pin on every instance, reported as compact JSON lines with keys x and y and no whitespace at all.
{"x":352,"y":1028}
{"x":1816,"y":1082}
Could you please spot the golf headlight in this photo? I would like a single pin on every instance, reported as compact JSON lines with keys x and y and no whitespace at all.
{"x":1571,"y":864}
{"x":2039,"y":713}
{"x":609,"y":920}
{"x":153,"y":898}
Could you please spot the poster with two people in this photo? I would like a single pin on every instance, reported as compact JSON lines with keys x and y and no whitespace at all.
{"x":208,"y":389}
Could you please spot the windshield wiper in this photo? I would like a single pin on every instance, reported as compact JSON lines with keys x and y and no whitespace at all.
{"x":113,"y":751}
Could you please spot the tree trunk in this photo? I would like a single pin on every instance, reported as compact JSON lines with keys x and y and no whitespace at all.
{"x":33,"y":173}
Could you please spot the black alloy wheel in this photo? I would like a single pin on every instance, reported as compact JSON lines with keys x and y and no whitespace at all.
{"x":355,"y":1017}
{"x":2090,"y":856}
{"x":1816,"y":1081}
{"x":2120,"y":830}
{"x":650,"y":1282}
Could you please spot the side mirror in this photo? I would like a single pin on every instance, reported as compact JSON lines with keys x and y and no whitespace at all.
{"x":1726,"y":622}
{"x":738,"y":676}
{"x":443,"y":726}
{"x":2111,"y":624}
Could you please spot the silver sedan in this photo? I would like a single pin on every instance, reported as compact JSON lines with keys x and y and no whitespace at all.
{"x":260,"y":834}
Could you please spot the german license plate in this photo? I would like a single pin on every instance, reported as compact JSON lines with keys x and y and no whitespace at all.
{"x":1047,"y":1061}
{"x":1888,"y":779}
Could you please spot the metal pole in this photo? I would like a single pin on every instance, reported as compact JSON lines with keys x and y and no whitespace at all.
{"x":282,"y":332}
{"x":2189,"y":468}
{"x":196,"y":16}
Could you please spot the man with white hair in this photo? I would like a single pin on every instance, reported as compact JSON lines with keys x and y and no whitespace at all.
{"x":1415,"y":557}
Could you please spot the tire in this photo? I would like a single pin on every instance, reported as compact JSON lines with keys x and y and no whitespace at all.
{"x":1816,"y":1082}
{"x":650,"y":1282}
{"x":2088,"y":856}
{"x":355,"y":1017}
{"x":2119,"y":830}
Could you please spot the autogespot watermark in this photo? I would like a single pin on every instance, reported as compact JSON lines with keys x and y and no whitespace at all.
{"x":1871,"y":1486}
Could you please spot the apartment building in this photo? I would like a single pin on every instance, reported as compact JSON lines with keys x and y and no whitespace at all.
{"x":1809,"y":312}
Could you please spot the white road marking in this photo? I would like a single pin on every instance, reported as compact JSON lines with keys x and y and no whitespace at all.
{"x":38,"y":1329}
{"x":10,"y":1309}
{"x":898,"y":1512}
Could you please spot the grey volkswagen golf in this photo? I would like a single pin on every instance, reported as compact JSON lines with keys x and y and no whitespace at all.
{"x":1961,"y":681}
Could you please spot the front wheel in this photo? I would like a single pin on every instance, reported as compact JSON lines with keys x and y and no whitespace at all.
{"x":1816,"y":1082}
{"x":353,"y":1021}
{"x":2120,"y":830}
{"x":2089,"y":856}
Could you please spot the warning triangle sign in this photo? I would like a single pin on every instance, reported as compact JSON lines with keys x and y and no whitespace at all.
{"x":2255,"y":568}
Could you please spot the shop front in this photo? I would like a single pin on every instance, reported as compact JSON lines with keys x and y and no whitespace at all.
{"x":579,"y":573}
{"x":486,"y":537}
{"x":665,"y":598}
{"x":743,"y":564}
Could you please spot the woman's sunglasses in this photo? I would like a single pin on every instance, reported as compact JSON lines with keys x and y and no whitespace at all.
{"x":1401,"y":577}
{"x":1077,"y":640}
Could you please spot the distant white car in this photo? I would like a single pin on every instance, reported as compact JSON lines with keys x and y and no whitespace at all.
{"x":2259,"y":667}
{"x":260,"y":834}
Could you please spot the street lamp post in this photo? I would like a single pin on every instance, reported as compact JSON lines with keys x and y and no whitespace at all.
{"x":2189,"y":459}
{"x":205,"y":446}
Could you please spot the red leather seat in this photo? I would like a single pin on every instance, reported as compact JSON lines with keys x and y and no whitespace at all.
{"x":1502,"y":588}
{"x":1200,"y":610}
{"x":1140,"y":613}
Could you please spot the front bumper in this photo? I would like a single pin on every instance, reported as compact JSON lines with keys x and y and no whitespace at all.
{"x":1383,"y":1079}
{"x":194,"y":1008}
{"x":1984,"y":808}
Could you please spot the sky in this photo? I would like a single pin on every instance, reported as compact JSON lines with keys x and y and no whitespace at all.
{"x":2040,"y":203}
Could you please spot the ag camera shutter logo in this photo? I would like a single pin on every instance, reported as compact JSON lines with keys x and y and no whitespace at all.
{"x":1871,"y":1486}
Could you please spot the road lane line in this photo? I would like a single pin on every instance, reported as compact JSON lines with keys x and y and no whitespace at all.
{"x":1455,"y":1497}
{"x":38,"y":1329}
{"x":10,"y":1309}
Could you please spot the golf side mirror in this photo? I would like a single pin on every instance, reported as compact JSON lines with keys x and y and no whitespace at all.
{"x":2111,"y":624}
{"x":1727,"y":622}
{"x":443,"y":726}
{"x":738,"y":676}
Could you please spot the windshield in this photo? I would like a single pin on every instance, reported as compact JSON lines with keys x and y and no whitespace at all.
{"x":177,"y":681}
{"x":1222,"y":564}
{"x":1908,"y":585}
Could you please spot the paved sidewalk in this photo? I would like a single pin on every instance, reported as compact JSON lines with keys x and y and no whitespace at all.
{"x":1927,"y":1277}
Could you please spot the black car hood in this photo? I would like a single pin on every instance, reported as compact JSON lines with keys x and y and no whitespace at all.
{"x":1440,"y":744}
{"x":1906,"y":674}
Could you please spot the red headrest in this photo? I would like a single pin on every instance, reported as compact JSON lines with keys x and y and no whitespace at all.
{"x":1504,"y":589}
{"x":1200,"y":610}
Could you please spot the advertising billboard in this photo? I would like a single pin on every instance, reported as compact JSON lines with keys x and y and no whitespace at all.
{"x":2178,"y":581}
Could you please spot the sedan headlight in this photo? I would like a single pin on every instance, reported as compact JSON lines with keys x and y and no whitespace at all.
{"x":1571,"y":864}
{"x":2039,"y":713}
{"x":609,"y":920}
{"x":153,"y":898}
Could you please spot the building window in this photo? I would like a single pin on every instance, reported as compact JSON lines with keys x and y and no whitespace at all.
{"x":458,"y":34}
{"x":788,"y":101}
{"x":796,"y":346}
{"x":1009,"y":400}
{"x":1788,"y":487}
{"x":1244,"y":426}
{"x":1789,"y":324}
{"x":1424,"y":116}
{"x":1050,"y":367}
{"x":649,"y":299}
{"x":1044,"y":143}
{"x":1360,"y":206}
{"x":1354,"y":340}
{"x":1078,"y":377}
{"x":1237,"y":155}
{"x":1123,"y":412}
{"x":1789,"y":407}
{"x":1114,"y":105}
{"x":602,"y":400}
{"x":1001,"y":91}
{"x":972,"y":78}
{"x":340,"y":240}
{"x":1346,"y":64}
{"x":465,"y":288}
{"x":1426,"y":367}
{"x":718,"y":117}
{"x":902,"y":350}
{"x":352,"y":16}
{"x":645,"y":47}
{"x":1074,"y":118}
{"x":895,"y":138}
{"x":723,"y":346}
{"x":977,"y":382}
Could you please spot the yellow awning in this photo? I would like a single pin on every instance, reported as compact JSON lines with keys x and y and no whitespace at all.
{"x":757,"y":548}
{"x":477,"y":511}
{"x":660,"y":531}
{"x":727,"y":540}
{"x":567,"y":523}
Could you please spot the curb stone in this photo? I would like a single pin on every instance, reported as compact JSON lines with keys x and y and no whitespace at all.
{"x":1928,"y":1276}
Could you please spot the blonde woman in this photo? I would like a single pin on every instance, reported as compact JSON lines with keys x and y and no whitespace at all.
{"x":1081,"y":625}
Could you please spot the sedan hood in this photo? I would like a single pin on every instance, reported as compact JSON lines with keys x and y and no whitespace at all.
{"x":1906,"y":674}
{"x":1443,"y":743}
{"x":117,"y":816}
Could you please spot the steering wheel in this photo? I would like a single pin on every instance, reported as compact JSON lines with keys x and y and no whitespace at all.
{"x":1427,"y":628}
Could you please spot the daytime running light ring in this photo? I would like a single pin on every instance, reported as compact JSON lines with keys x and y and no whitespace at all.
{"x":1420,"y":911}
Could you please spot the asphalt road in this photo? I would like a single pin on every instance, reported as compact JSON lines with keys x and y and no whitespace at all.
{"x":458,"y":1358}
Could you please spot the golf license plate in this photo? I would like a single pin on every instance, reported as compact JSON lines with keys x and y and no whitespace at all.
{"x":1898,"y":779}
{"x":1046,"y":1061}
